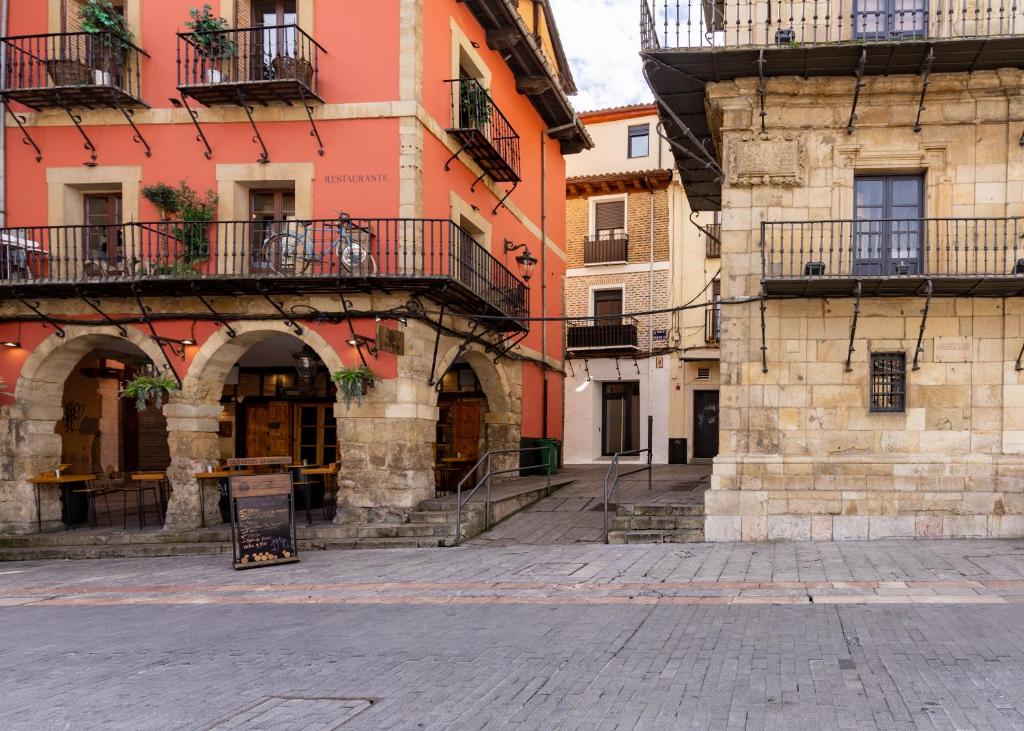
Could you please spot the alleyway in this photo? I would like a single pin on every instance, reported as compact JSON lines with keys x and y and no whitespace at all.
{"x":574,"y":514}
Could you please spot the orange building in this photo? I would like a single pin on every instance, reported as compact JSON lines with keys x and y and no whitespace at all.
{"x":175,"y":182}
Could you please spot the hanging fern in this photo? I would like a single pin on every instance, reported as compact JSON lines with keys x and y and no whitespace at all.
{"x":352,"y":383}
{"x":150,"y":389}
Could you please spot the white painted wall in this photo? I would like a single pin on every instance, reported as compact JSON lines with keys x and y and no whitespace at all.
{"x":611,"y":146}
{"x":583,"y":406}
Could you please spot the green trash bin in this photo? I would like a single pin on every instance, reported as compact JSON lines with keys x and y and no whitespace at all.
{"x":549,"y":455}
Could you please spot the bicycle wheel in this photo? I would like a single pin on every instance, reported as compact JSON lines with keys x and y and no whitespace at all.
{"x":354,"y":257}
{"x":284,"y":253}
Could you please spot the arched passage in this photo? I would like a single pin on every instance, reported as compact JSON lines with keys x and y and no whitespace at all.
{"x":242,"y":397}
{"x":67,"y":409}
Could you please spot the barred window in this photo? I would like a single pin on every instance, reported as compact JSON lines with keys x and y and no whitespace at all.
{"x":888,"y":382}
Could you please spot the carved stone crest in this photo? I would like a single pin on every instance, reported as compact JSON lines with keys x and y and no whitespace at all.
{"x":767,"y":159}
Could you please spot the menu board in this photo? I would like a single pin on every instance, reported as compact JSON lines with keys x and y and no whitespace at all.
{"x":262,"y":520}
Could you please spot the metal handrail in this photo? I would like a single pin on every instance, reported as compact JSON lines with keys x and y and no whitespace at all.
{"x":613,"y":486}
{"x":460,"y":503}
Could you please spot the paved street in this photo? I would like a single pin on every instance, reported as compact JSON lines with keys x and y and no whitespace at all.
{"x":855,"y":635}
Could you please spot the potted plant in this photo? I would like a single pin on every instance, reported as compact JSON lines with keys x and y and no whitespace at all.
{"x":353,"y":383}
{"x":107,"y":52}
{"x":211,"y":41}
{"x":150,"y":388}
{"x":164,"y":197}
{"x":474,"y":105}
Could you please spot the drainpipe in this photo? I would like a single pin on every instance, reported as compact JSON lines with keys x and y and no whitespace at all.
{"x":544,"y":262}
{"x":650,"y":327}
{"x":4,"y":6}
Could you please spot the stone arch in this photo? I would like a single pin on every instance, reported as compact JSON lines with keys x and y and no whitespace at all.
{"x":193,"y":416}
{"x":35,"y":445}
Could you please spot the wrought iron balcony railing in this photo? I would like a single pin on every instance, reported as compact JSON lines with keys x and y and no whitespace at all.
{"x":606,"y":249}
{"x":713,"y":324}
{"x":483,"y":131}
{"x":891,"y":251}
{"x":391,"y":252}
{"x":725,"y":23}
{"x":265,"y":64}
{"x":64,"y":70}
{"x":609,"y":333}
{"x":713,"y":240}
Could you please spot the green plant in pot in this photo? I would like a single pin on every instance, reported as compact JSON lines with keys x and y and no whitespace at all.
{"x":353,"y":383}
{"x":164,"y":198}
{"x":474,"y":105}
{"x":196,"y":212}
{"x":106,"y":51}
{"x":150,"y":388}
{"x":210,"y":38}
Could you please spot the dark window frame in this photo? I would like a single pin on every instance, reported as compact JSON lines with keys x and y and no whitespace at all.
{"x":887,"y":228}
{"x":887,"y":17}
{"x":887,"y":383}
{"x":636,"y":131}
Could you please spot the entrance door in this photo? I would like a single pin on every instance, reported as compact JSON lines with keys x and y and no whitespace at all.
{"x":275,"y":43}
{"x":889,"y":230}
{"x":268,"y":211}
{"x":103,"y":243}
{"x":705,"y":424}
{"x":620,"y":421}
{"x":268,"y":429}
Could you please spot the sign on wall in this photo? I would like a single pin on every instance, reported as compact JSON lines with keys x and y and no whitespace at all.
{"x":390,"y":341}
{"x":262,"y":520}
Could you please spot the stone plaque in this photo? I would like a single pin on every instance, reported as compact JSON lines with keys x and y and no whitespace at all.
{"x":767,"y":160}
{"x":952,"y":350}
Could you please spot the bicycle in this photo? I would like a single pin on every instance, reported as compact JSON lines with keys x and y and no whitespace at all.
{"x":288,"y":252}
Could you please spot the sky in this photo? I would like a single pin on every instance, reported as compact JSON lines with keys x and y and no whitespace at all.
{"x":602,"y":40}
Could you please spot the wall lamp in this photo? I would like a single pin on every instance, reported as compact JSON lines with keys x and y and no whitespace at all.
{"x":526,"y":261}
{"x":177,"y":346}
{"x":361,"y":341}
{"x":10,"y":343}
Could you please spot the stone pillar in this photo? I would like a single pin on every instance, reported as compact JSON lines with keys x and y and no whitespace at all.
{"x":30,"y":445}
{"x":193,"y":442}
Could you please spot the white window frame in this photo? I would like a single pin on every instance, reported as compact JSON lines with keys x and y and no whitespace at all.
{"x":592,"y":223}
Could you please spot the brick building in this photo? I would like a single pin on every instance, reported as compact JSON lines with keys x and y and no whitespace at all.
{"x":869,"y":169}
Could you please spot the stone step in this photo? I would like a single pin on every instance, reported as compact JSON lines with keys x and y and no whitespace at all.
{"x":114,"y":538}
{"x":129,"y":550}
{"x":341,"y":544}
{"x":656,"y":536}
{"x":660,"y":509}
{"x":657,"y":522}
{"x":446,"y":516}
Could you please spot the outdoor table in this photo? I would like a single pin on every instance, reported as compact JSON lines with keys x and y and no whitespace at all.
{"x":306,"y":471}
{"x":221,"y":476}
{"x":64,"y":483}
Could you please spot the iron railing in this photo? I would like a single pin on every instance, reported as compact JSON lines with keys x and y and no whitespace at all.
{"x":250,"y":56}
{"x":713,"y":240}
{"x":482,"y":129}
{"x":963,"y":247}
{"x":713,"y":323}
{"x":77,"y":64}
{"x":394,"y":249}
{"x":606,"y":249}
{"x":614,"y":473}
{"x":485,"y":469}
{"x":725,"y":23}
{"x":611,"y":332}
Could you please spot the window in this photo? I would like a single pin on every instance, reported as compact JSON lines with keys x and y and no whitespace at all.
{"x":609,"y":219}
{"x":269,"y":210}
{"x":104,"y":244}
{"x":639,"y":140}
{"x":608,"y":306}
{"x":888,"y":232}
{"x":890,"y":18}
{"x":278,"y":42}
{"x":888,"y":382}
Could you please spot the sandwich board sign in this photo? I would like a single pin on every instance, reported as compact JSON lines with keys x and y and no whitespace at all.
{"x":262,"y":520}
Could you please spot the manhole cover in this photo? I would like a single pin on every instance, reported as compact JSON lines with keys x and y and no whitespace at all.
{"x":278,"y":713}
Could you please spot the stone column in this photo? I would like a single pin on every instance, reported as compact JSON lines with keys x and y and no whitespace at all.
{"x":192,"y":438}
{"x":30,"y":445}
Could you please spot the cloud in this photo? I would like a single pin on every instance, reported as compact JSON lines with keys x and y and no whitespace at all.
{"x":602,"y":40}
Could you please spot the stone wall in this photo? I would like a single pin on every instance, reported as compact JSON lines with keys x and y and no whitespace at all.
{"x":802,"y":457}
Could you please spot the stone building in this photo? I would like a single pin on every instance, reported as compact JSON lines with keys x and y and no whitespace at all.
{"x":633,"y":247}
{"x":440,"y":128}
{"x":869,"y":169}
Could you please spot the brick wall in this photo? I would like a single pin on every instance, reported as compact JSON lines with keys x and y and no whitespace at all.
{"x":638,"y":224}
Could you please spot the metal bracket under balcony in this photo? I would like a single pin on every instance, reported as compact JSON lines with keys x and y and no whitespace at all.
{"x":951,"y":257}
{"x":606,"y":336}
{"x":249,"y":67}
{"x":72,"y":71}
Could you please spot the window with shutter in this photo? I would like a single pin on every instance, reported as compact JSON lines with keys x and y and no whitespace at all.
{"x":70,"y":16}
{"x":609,"y":219}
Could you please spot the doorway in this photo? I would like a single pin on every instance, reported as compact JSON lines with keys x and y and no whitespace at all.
{"x":620,"y":417}
{"x":103,"y":243}
{"x":705,"y":424}
{"x":269,"y":212}
{"x":276,"y":43}
{"x":461,"y":436}
{"x":889,"y":229}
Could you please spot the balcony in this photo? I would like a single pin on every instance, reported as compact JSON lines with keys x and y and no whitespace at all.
{"x":713,"y":325}
{"x":226,"y":258}
{"x":605,"y":249}
{"x":249,"y":65}
{"x":713,"y":240}
{"x":608,"y":334}
{"x":951,"y":256}
{"x":794,"y":24}
{"x":483,"y":131}
{"x":66,"y":70}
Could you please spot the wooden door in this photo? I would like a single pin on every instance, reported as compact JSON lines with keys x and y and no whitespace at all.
{"x":268,"y":429}
{"x":466,"y":429}
{"x":705,"y":424}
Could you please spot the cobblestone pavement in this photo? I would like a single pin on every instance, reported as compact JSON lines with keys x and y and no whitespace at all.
{"x":789,"y":636}
{"x":575,"y":513}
